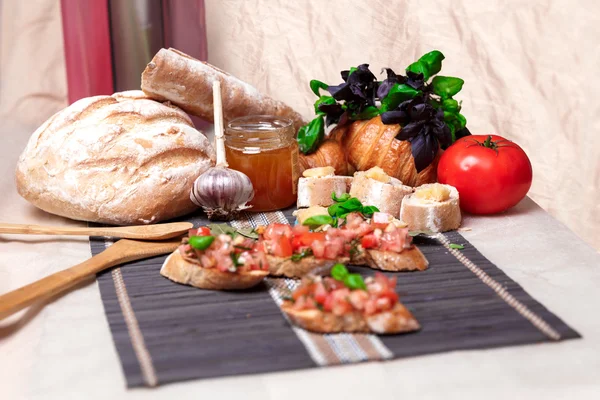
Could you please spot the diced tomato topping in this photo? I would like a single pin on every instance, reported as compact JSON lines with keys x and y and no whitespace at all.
{"x":333,"y":249}
{"x":320,"y":292}
{"x":318,"y":248}
{"x":353,"y":220}
{"x":202,"y":231}
{"x":369,"y":241}
{"x":282,"y":247}
{"x":300,"y":230}
{"x":303,"y":290}
{"x":381,"y":219}
{"x":275,"y":230}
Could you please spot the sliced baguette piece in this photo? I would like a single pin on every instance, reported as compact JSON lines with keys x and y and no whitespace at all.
{"x":396,"y":320}
{"x":432,"y":207}
{"x":375,"y":188}
{"x":279,"y":266}
{"x":177,"y":269}
{"x":317,"y":184}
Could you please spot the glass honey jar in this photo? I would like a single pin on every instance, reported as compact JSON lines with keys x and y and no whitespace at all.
{"x":265,"y":148}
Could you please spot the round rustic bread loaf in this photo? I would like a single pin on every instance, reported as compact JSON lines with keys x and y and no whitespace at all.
{"x":121,"y":159}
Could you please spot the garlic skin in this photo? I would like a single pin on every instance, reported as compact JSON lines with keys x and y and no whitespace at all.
{"x":222,"y":193}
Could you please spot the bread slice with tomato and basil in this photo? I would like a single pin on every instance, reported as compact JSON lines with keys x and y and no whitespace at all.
{"x":219,"y":262}
{"x":379,"y":242}
{"x":433,"y":207}
{"x":317,"y":184}
{"x":345,"y":302}
{"x":376,"y":188}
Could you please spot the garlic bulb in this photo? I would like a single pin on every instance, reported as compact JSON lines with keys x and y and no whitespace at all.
{"x":222,"y":192}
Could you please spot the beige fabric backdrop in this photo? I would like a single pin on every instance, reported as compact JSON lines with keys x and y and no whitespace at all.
{"x":530,"y":70}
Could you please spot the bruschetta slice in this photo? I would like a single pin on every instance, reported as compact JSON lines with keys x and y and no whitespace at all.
{"x":347,"y":303}
{"x":377,"y":242}
{"x":218,"y":262}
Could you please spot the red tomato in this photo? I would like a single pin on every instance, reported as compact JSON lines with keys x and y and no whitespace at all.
{"x":282,"y":247}
{"x":202,"y":231}
{"x":491,"y":175}
{"x":369,"y":241}
{"x":320,"y":293}
{"x":275,"y":230}
{"x":306,"y":239}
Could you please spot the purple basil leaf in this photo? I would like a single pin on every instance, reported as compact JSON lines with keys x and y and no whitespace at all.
{"x":410,"y":130}
{"x":424,"y":149}
{"x":394,"y":117}
{"x":340,"y":92}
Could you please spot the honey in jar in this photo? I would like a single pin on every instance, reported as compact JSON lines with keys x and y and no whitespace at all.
{"x":265,"y":148}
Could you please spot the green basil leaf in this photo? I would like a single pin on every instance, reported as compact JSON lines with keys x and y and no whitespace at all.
{"x":435,"y":103}
{"x":334,"y":209}
{"x":397,"y":94}
{"x":235,"y":258}
{"x":310,"y":136}
{"x":248,"y":232}
{"x":367,"y":113}
{"x":339,"y":272}
{"x":462,"y":121}
{"x":323,"y":100}
{"x":419,"y":67}
{"x":433,"y":60}
{"x":452,"y":131}
{"x":318,"y":220}
{"x":315,"y":85}
{"x":299,"y":256}
{"x":446,"y":86}
{"x":354,"y":281}
{"x":201,"y":242}
{"x":352,"y":69}
{"x":451,"y":105}
{"x":221,"y":229}
{"x":368,"y":211}
{"x":456,"y":246}
{"x":342,"y":198}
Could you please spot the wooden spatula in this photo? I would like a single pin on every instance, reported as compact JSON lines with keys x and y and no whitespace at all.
{"x":143,"y":232}
{"x":122,"y":251}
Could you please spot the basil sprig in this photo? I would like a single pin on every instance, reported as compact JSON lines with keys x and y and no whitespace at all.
{"x":339,"y":272}
{"x":318,"y":220}
{"x":201,"y":242}
{"x":421,"y":103}
{"x":345,"y":204}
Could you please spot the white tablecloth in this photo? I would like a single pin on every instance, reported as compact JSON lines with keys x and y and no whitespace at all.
{"x":64,"y":350}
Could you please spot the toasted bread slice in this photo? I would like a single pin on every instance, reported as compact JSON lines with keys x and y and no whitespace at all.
{"x":432,"y":207}
{"x":177,"y":269}
{"x":374,"y":188}
{"x":409,"y":260}
{"x":279,"y":266}
{"x":396,"y":320}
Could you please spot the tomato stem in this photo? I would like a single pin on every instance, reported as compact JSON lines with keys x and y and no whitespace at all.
{"x":489,"y":143}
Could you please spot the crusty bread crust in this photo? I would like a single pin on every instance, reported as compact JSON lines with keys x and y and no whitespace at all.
{"x":187,"y":82}
{"x":397,"y":320}
{"x":317,"y":191}
{"x":122,"y":159}
{"x":409,"y":260}
{"x":387,"y":197}
{"x":432,"y":216}
{"x":279,"y":266}
{"x":177,"y":269}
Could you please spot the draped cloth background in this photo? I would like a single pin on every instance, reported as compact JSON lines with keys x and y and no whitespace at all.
{"x":530,"y":70}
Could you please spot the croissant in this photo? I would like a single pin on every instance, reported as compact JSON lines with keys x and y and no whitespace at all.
{"x":329,"y":153}
{"x":370,"y":143}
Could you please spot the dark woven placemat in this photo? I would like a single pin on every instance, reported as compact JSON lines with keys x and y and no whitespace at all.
{"x":165,"y":332}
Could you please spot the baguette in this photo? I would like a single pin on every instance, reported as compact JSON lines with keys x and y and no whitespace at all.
{"x":187,"y":82}
{"x":375,"y":188}
{"x":179,"y":270}
{"x":433,"y":207}
{"x":397,"y":320}
{"x":317,"y":185}
{"x":410,"y":259}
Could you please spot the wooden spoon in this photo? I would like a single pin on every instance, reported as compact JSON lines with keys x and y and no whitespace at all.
{"x":143,"y":232}
{"x":120,"y":252}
